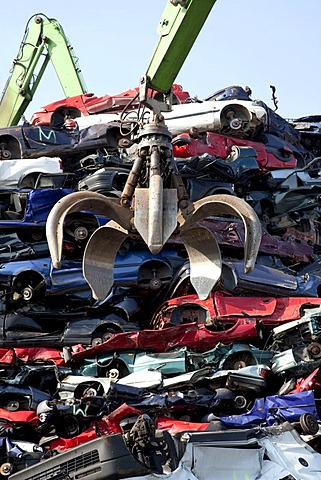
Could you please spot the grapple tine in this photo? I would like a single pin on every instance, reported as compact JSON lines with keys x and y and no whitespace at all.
{"x":205,"y":259}
{"x":99,"y":259}
{"x":223,"y":204}
{"x":77,"y":201}
{"x":155,"y":221}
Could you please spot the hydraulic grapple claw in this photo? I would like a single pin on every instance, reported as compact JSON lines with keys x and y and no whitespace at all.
{"x":205,"y":259}
{"x":154,"y":209}
{"x":223,"y":204}
{"x":155,"y":224}
{"x":77,"y":201}
{"x":98,"y":269}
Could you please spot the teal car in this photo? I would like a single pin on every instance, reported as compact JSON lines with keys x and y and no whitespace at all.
{"x":119,"y":364}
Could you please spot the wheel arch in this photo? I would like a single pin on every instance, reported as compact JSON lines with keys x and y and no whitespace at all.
{"x":10,"y":147}
{"x":24,"y":275}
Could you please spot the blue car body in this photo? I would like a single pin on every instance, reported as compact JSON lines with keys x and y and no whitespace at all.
{"x":29,"y":141}
{"x":274,"y":409}
{"x":28,"y":208}
{"x":38,"y":282}
{"x":268,"y":281}
{"x":25,"y":212}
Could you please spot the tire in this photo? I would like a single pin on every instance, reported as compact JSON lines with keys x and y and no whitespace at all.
{"x":13,"y":406}
{"x":314,"y":350}
{"x":6,"y":469}
{"x":68,"y":427}
{"x":238,"y":360}
{"x":107,"y":335}
{"x":240,"y":402}
{"x":309,"y":424}
{"x":96,"y":341}
{"x":9,"y":148}
{"x":113,"y":374}
{"x":101,"y":337}
{"x":117,"y":369}
{"x":90,"y":392}
{"x":29,"y":287}
{"x":30,"y":236}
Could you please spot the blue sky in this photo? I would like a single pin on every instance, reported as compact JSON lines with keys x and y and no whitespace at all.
{"x":243,"y":42}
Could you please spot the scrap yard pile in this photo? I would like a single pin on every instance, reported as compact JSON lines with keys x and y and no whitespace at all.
{"x":160,"y":288}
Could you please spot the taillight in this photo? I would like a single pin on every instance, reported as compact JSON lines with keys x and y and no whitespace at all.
{"x":264,"y":372}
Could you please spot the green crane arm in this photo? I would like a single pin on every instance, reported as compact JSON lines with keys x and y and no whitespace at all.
{"x":44,"y":40}
{"x":180,"y":24}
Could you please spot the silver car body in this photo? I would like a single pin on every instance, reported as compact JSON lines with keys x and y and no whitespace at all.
{"x":12,"y":171}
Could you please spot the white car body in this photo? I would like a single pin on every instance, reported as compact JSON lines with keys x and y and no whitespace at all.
{"x":146,"y":378}
{"x":79,"y":383}
{"x":12,"y":171}
{"x":278,"y":454}
{"x":235,"y":117}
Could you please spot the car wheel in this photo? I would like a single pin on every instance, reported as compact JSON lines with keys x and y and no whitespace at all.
{"x":9,"y":148}
{"x":103,"y":337}
{"x":107,"y":335}
{"x":13,"y":406}
{"x":90,"y":392}
{"x":113,"y":374}
{"x":309,"y":424}
{"x":6,"y":469}
{"x":96,"y":341}
{"x":31,"y":235}
{"x":314,"y":350}
{"x":117,"y":369}
{"x":79,"y":227}
{"x":240,"y":402}
{"x":69,"y":427}
{"x":238,"y":360}
{"x":29,"y":287}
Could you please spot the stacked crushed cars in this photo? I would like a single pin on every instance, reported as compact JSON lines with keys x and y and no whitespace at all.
{"x":147,"y":381}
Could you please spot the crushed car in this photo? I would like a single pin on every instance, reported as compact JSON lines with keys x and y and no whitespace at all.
{"x":28,"y":141}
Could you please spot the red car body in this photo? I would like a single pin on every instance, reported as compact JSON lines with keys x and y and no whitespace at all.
{"x":19,"y":416}
{"x":311,"y":382}
{"x":89,"y":104}
{"x":192,"y":335}
{"x":9,"y":356}
{"x":221,"y":146}
{"x":111,"y":424}
{"x":176,"y":426}
{"x":227,"y":309}
{"x":222,"y":318}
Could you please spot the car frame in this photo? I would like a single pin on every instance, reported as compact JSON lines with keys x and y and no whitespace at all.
{"x":28,"y":141}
